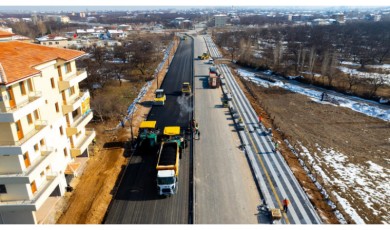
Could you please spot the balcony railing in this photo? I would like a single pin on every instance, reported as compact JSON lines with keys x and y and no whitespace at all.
{"x":45,"y":153}
{"x":66,"y":82}
{"x":83,"y":143}
{"x":38,"y":199}
{"x":39,"y":125}
{"x":32,"y":96}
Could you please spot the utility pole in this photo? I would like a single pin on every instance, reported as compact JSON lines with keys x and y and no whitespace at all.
{"x":131,"y":127}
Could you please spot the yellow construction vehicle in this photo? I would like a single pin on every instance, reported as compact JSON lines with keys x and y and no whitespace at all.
{"x":204,"y":56}
{"x":160,"y":97}
{"x":186,"y":88}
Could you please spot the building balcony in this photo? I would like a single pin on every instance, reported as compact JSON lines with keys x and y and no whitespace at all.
{"x":44,"y":191}
{"x":75,"y":103}
{"x":90,"y":134}
{"x":68,"y":82}
{"x":79,"y":124}
{"x":21,"y":146}
{"x":28,"y":175}
{"x":21,"y":109}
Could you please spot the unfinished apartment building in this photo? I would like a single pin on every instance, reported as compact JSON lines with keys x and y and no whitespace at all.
{"x":43,"y":114}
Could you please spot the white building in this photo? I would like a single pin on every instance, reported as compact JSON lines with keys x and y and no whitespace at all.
{"x":43,"y":114}
{"x":53,"y":41}
{"x":220,"y":20}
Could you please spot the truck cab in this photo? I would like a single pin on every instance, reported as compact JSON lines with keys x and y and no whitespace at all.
{"x":159,"y":97}
{"x":186,"y":88}
{"x":168,"y":168}
{"x":166,"y":182}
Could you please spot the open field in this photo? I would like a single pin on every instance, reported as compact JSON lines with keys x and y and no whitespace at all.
{"x":347,"y":151}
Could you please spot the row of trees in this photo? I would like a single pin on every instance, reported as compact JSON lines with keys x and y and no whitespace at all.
{"x":305,"y":50}
{"x":135,"y":61}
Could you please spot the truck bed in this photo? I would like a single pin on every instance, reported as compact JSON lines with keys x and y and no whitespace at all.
{"x":168,"y":154}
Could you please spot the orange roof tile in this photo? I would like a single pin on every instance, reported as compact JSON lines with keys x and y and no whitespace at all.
{"x":19,"y":58}
{"x":5,"y":34}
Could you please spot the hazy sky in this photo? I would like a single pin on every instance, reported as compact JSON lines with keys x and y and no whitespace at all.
{"x":198,"y":2}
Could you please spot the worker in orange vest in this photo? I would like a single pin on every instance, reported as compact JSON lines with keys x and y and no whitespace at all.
{"x":285,"y":204}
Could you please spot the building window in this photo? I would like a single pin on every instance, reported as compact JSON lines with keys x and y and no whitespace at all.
{"x":3,"y":189}
{"x":36,"y":147}
{"x":75,"y":113}
{"x":67,"y":68}
{"x":42,"y":142}
{"x":61,"y":131}
{"x":57,"y":43}
{"x":22,"y":88}
{"x":33,"y":187}
{"x":42,"y":173}
{"x":26,"y":159}
{"x":71,"y":91}
{"x":29,"y":119}
{"x":52,"y":83}
{"x":36,"y":115}
{"x":59,"y":71}
{"x":50,"y":43}
{"x":30,"y":86}
{"x":57,"y":107}
{"x":65,"y":152}
{"x":48,"y":169}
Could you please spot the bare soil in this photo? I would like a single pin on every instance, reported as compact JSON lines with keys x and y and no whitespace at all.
{"x":94,"y":190}
{"x":298,"y":119}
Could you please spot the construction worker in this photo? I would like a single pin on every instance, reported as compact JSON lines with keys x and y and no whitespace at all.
{"x":285,"y":204}
{"x":276,"y":146}
{"x":260,"y":119}
{"x":197,"y":130}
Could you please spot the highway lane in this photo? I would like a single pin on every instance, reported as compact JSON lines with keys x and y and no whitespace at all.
{"x":276,"y":179}
{"x":136,"y":200}
{"x":225,"y":192}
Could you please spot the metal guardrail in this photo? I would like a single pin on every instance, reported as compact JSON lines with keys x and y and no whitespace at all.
{"x":268,"y":165}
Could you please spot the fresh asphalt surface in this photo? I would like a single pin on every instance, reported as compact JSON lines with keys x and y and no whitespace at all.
{"x":136,"y":200}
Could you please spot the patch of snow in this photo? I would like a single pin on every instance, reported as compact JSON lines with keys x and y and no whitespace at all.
{"x":386,"y":77}
{"x":349,"y":63}
{"x":369,"y":182}
{"x":360,"y":107}
{"x":348,"y":209}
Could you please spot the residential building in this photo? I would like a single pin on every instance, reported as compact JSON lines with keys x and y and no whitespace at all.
{"x":43,"y":114}
{"x":53,"y":41}
{"x":58,"y":18}
{"x":5,"y":35}
{"x":220,"y":20}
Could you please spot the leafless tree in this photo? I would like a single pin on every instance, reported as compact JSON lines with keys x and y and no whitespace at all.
{"x":374,"y":84}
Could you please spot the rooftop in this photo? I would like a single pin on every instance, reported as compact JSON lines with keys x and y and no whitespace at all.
{"x":5,"y":34}
{"x":18,"y":59}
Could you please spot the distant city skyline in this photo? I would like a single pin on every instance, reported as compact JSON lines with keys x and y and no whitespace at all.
{"x":145,"y":3}
{"x":78,"y":8}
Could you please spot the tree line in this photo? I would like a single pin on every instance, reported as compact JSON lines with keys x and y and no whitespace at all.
{"x":313,"y":50}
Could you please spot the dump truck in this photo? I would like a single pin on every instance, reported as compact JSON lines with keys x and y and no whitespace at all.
{"x":186,"y":88}
{"x":147,"y":134}
{"x":213,"y":80}
{"x":168,"y":161}
{"x":160,"y":97}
